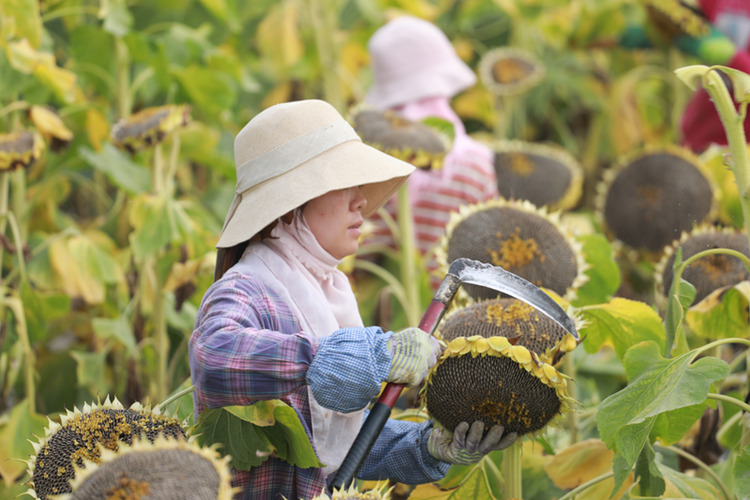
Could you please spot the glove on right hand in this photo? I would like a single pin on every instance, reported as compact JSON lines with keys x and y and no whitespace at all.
{"x":413,"y":353}
{"x":467,"y":447}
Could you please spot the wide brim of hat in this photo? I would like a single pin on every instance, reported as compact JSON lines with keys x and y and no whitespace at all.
{"x":445,"y":79}
{"x":347,"y":165}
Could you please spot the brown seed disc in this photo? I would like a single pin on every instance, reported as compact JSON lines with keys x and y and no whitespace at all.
{"x":714,"y":271}
{"x":533,"y":177}
{"x":507,"y":318}
{"x":654,"y":199}
{"x":511,"y":70}
{"x":493,"y":389}
{"x":387,"y":130}
{"x":172,"y":474}
{"x":520,"y":242}
{"x":80,"y":437}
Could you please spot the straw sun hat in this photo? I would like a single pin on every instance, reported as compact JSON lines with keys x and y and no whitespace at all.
{"x":294,"y":152}
{"x":413,"y":60}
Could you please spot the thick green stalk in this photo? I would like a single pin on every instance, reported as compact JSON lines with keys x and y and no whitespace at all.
{"x":409,"y":274}
{"x":174,"y":157}
{"x":124,"y":105}
{"x":157,"y":170}
{"x":505,"y":109}
{"x":512,"y":472}
{"x":174,"y":397}
{"x":323,"y":19}
{"x":4,"y":190}
{"x":572,"y":494}
{"x":735,"y":132}
{"x":19,"y":202}
{"x":571,"y":420}
{"x":16,"y":306}
{"x":728,"y":399}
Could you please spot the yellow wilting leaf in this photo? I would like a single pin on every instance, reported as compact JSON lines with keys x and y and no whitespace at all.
{"x":278,"y":36}
{"x":97,"y":127}
{"x":73,"y":282}
{"x":475,"y":103}
{"x":52,"y":128}
{"x":24,"y":58}
{"x":582,"y":462}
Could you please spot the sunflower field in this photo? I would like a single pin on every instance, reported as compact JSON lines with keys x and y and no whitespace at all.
{"x":117,"y":122}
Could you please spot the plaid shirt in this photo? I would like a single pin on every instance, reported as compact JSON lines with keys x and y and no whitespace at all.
{"x":247,"y":346}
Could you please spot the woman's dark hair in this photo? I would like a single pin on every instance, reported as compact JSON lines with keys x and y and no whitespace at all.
{"x":227,"y":257}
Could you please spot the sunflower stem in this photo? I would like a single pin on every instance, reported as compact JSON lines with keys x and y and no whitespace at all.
{"x":323,"y":23}
{"x":572,"y":494}
{"x":408,"y":256}
{"x":124,"y":105}
{"x":699,"y":463}
{"x":174,"y":157}
{"x":512,"y":472}
{"x":174,"y":397}
{"x":15,"y":305}
{"x":729,"y":399}
{"x":4,"y":190}
{"x":157,"y":172}
{"x":572,"y":419}
{"x":18,"y":180}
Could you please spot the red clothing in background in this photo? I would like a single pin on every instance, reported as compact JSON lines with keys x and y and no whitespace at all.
{"x":701,"y":125}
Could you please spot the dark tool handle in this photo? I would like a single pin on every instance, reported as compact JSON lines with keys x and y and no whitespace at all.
{"x":381,"y":411}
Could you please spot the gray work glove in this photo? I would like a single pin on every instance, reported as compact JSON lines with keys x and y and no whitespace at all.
{"x":413,"y":353}
{"x":467,"y":446}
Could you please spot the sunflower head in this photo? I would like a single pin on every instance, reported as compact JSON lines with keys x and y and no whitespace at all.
{"x":707,"y":273}
{"x":19,"y":150}
{"x":164,"y":468}
{"x":518,"y":237}
{"x":512,"y":319}
{"x":491,"y":380}
{"x":82,"y":434}
{"x":407,"y":140}
{"x":149,"y":126}
{"x":651,"y":197}
{"x":672,"y":18}
{"x":544,"y":175}
{"x":510,"y":71}
{"x":379,"y":492}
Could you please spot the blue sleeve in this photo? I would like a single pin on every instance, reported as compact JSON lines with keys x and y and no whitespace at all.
{"x":401,"y":454}
{"x":349,"y":368}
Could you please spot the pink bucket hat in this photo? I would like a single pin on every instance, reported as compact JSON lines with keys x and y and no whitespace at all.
{"x":413,"y":60}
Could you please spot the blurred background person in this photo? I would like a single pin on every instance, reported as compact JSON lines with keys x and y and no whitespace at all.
{"x":416,"y":72}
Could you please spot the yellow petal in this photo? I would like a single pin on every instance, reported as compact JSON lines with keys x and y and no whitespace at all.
{"x":520,"y":354}
{"x":498,"y":343}
{"x":456,"y":345}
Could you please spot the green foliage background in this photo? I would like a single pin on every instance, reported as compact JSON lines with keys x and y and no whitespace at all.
{"x":119,"y":247}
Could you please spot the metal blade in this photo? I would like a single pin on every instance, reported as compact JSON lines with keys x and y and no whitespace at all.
{"x":498,"y":279}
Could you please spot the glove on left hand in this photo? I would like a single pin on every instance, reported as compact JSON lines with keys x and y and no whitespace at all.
{"x":467,"y":446}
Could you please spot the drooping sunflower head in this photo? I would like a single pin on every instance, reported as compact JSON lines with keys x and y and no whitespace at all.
{"x":82,"y":434}
{"x":707,"y":273}
{"x":512,"y":319}
{"x":52,"y":128}
{"x":542,"y":174}
{"x":651,"y":197}
{"x":491,"y":380}
{"x":394,"y":134}
{"x":518,"y":237}
{"x":672,"y":18}
{"x":510,"y":71}
{"x":19,"y":150}
{"x":379,"y":492}
{"x":149,"y":126}
{"x":166,"y":469}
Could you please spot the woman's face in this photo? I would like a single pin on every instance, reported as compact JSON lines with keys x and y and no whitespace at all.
{"x":334,"y":218}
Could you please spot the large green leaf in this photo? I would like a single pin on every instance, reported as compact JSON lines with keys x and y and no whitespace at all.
{"x":650,"y":478}
{"x":211,"y":90}
{"x":722,"y":314}
{"x":91,"y":371}
{"x":21,"y":424}
{"x":150,"y":217}
{"x":604,"y":273}
{"x":476,"y":486}
{"x":117,"y":17}
{"x":115,"y":328}
{"x":122,"y":171}
{"x":40,"y":309}
{"x":627,"y":418}
{"x":742,"y":475}
{"x":245,"y":434}
{"x":622,"y":322}
{"x":25,"y":15}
